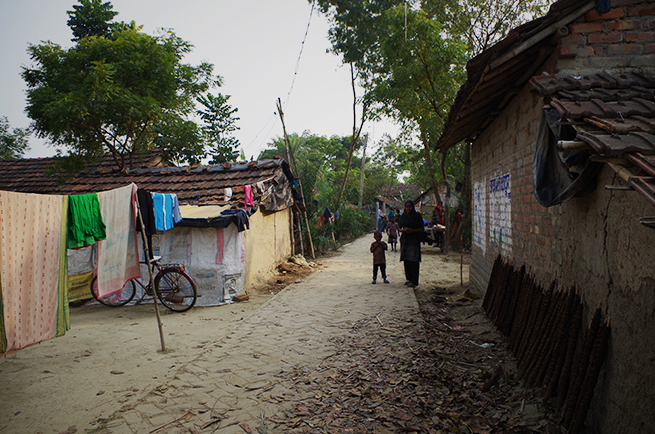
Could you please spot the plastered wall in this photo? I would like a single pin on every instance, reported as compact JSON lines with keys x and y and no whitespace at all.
{"x":267,"y":243}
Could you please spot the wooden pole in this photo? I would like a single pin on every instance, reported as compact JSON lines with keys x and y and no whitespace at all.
{"x":292,"y":219}
{"x":295,"y":168}
{"x":302,"y":244}
{"x":461,"y":270}
{"x":152,"y":281}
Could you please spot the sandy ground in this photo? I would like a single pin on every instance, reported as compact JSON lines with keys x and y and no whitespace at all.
{"x":119,"y":349}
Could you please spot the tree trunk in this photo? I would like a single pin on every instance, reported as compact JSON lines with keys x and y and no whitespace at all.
{"x":467,"y":192}
{"x":428,"y":159}
{"x":356,"y":132}
{"x":446,"y":209}
{"x":361,"y":177}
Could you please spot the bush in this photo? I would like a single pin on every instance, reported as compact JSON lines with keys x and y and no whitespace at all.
{"x":353,"y":223}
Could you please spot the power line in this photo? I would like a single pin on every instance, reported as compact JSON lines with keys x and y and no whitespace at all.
{"x":293,"y":81}
{"x":302,"y":46}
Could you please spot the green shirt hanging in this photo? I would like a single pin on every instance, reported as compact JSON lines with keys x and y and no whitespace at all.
{"x":85,"y":225}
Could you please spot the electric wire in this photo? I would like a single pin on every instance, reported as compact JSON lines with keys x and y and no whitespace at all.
{"x":293,"y":82}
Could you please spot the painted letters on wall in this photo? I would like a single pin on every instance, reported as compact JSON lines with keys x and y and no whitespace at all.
{"x":500,"y":213}
{"x":480,"y":215}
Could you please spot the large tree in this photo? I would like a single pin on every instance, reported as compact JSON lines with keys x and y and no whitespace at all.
{"x":13,"y":144}
{"x":119,"y":91}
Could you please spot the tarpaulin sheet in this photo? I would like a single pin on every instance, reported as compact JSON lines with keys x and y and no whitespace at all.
{"x":559,"y":176}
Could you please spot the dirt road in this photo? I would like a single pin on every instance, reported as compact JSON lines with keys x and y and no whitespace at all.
{"x":330,"y":353}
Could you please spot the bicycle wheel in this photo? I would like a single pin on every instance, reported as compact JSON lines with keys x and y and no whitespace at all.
{"x":176,"y":290}
{"x":119,"y":298}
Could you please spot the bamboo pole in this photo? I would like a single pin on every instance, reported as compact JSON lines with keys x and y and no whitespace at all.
{"x":295,"y":168}
{"x":302,"y":244}
{"x":152,"y":281}
{"x":293,"y":235}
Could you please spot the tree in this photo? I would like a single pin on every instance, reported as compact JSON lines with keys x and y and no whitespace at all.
{"x":120,"y":93}
{"x":13,"y":144}
{"x":220,"y":123}
{"x":482,"y":23}
{"x":91,"y":18}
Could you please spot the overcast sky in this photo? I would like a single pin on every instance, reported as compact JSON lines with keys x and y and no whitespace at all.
{"x":253,"y":44}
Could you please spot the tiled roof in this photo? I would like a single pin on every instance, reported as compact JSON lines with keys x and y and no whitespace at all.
{"x":497,"y":74}
{"x":401,"y":192}
{"x":396,"y":195}
{"x":192,"y":184}
{"x":37,"y":175}
{"x":614,"y":115}
{"x":27,"y":175}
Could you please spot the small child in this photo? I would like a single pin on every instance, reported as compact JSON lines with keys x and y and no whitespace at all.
{"x":392,"y":230}
{"x":379,"y":260}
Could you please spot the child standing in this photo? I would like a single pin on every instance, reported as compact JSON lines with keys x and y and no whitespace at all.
{"x":379,"y":261}
{"x":392,"y":230}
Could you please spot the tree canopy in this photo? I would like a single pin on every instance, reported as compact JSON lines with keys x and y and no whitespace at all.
{"x":91,"y":18}
{"x":13,"y":144}
{"x":121,"y":91}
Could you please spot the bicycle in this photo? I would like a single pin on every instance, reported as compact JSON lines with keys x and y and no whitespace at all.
{"x":175,"y":288}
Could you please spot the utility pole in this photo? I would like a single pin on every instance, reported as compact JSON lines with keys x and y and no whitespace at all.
{"x":289,"y":151}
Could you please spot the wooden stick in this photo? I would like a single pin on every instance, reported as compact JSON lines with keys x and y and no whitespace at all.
{"x":293,"y":161}
{"x":152,"y":282}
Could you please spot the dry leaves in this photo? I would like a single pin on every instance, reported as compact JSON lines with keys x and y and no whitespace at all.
{"x":425,"y":375}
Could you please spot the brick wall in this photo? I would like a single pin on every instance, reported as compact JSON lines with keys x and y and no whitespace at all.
{"x":596,"y":241}
{"x":507,"y":147}
{"x":624,"y":36}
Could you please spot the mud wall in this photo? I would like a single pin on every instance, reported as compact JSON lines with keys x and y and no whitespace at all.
{"x":595,"y":242}
{"x":267,"y":243}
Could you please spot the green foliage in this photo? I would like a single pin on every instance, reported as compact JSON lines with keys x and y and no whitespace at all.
{"x":220,"y":123}
{"x":320,"y":167}
{"x":482,"y":23}
{"x":91,"y":18}
{"x":410,"y":57}
{"x":122,"y":91}
{"x":13,"y":144}
{"x":353,"y":223}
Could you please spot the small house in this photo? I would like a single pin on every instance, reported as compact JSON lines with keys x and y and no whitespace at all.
{"x":222,"y":258}
{"x":560,"y":117}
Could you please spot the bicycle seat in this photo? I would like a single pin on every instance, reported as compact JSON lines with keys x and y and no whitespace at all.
{"x":153,"y":260}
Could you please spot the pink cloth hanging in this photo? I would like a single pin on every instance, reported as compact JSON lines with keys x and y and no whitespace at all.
{"x":33,"y":269}
{"x":219,"y":246}
{"x":250,"y":201}
{"x":118,"y":258}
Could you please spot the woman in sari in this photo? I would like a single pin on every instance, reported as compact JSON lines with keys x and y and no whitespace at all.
{"x":411,"y":228}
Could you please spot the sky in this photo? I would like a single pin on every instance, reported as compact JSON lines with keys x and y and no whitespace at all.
{"x":253,"y":44}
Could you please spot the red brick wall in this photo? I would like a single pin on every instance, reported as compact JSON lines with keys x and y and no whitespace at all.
{"x":507,"y":147}
{"x":624,"y":36}
{"x":595,"y":242}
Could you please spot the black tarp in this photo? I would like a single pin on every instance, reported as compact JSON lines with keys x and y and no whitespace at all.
{"x":559,"y":176}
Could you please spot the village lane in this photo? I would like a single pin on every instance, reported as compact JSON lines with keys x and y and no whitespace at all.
{"x":255,"y":378}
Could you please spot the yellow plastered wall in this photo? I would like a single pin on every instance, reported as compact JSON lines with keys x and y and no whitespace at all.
{"x":267,"y":243}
